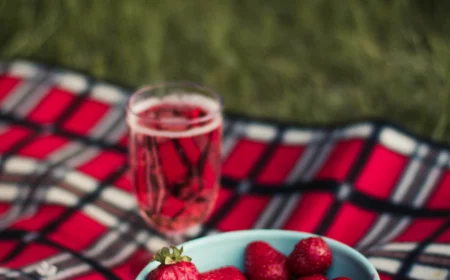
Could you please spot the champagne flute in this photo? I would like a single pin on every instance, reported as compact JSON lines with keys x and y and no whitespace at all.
{"x":174,"y":152}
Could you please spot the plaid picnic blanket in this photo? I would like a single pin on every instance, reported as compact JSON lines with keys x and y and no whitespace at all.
{"x":65,"y":196}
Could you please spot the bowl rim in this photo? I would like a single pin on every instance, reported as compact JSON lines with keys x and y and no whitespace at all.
{"x":273,"y":232}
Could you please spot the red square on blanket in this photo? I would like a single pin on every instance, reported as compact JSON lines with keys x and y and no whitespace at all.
{"x":124,"y":182}
{"x":242,"y":158}
{"x":103,"y":164}
{"x":440,"y":198}
{"x":385,"y":276}
{"x":124,"y":140}
{"x":91,"y":276}
{"x":444,"y":237}
{"x":351,"y":217}
{"x":138,"y":261}
{"x":88,"y":114}
{"x":341,"y":159}
{"x":42,"y":146}
{"x":223,"y":197}
{"x":4,"y":207}
{"x":44,"y":215}
{"x":127,"y":269}
{"x":9,"y":136}
{"x":51,"y":106}
{"x":381,"y":173}
{"x":245,"y":213}
{"x":6,"y":247}
{"x":31,"y":253}
{"x":7,"y":85}
{"x":280,"y":164}
{"x":78,"y":232}
{"x":420,"y":229}
{"x":309,"y":211}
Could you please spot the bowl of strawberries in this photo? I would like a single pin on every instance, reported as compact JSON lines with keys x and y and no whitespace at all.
{"x":260,"y":255}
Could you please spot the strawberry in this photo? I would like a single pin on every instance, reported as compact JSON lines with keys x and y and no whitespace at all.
{"x":313,"y":277}
{"x":310,"y":256}
{"x":342,"y":278}
{"x":173,"y":266}
{"x":263,"y":262}
{"x":223,"y":273}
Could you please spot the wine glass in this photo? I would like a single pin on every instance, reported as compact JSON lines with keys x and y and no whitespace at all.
{"x":174,"y":152}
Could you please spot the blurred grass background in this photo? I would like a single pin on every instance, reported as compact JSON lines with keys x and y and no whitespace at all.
{"x":316,"y":61}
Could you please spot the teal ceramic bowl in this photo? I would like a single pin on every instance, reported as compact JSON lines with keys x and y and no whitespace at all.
{"x":228,"y":249}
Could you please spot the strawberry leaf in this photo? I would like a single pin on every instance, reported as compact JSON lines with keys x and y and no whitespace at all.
{"x":185,"y":259}
{"x":176,"y":253}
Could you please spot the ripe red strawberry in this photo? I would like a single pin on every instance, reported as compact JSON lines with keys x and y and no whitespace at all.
{"x":173,"y":266}
{"x":223,"y":273}
{"x":313,"y":277}
{"x":310,"y":256}
{"x":342,"y":278}
{"x":263,"y":262}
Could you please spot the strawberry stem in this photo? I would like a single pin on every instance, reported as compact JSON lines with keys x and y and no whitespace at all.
{"x":166,"y":257}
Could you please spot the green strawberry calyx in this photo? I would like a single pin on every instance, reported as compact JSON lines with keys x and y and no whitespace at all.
{"x":166,"y":257}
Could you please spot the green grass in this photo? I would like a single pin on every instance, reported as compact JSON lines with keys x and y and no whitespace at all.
{"x":312,"y":61}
